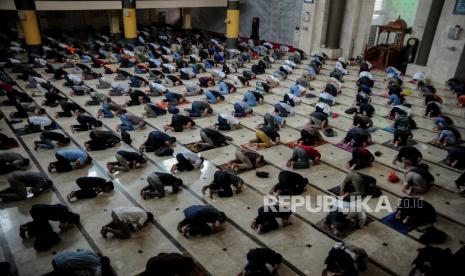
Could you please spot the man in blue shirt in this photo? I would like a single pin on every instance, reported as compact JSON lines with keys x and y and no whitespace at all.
{"x":66,"y":158}
{"x":197,"y":220}
{"x":78,"y":262}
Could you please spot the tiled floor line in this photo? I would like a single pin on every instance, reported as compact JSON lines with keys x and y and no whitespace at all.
{"x":60,"y":197}
{"x":232,"y":222}
{"x":117,"y":185}
{"x":348,"y":117}
{"x":319,"y":76}
{"x":166,"y":233}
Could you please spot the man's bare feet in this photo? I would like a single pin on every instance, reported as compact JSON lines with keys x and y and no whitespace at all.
{"x":286,"y":223}
{"x":254,"y":225}
{"x":104,"y":232}
{"x":70,"y":196}
{"x":185,"y":231}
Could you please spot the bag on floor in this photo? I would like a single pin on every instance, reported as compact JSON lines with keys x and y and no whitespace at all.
{"x":164,"y":151}
{"x":351,"y":110}
{"x":329,"y":132}
{"x":126,"y":137}
{"x":173,"y":109}
{"x":46,"y":241}
{"x":62,"y":166}
{"x":393,"y":178}
{"x":433,"y":235}
{"x":262,"y":174}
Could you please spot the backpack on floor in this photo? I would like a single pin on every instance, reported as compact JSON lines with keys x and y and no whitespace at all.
{"x":262,"y":174}
{"x":351,"y":110}
{"x":164,"y":151}
{"x":173,"y":109}
{"x":337,"y":74}
{"x":433,"y":235}
{"x":46,"y":241}
{"x":126,"y":137}
{"x":329,"y":132}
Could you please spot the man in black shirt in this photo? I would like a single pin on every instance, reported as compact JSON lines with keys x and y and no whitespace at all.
{"x":68,"y":108}
{"x":86,"y":123}
{"x":409,"y":156}
{"x":157,"y":182}
{"x":47,"y":137}
{"x":126,"y":160}
{"x":101,"y":139}
{"x":90,"y":187}
{"x":210,"y":138}
{"x":357,"y":137}
{"x":169,"y":264}
{"x":289,"y":183}
{"x":258,"y":260}
{"x":318,"y":119}
{"x":41,"y":215}
{"x":157,"y":140}
{"x":178,"y":122}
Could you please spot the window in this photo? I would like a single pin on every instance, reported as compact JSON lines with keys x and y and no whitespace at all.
{"x":378,"y":5}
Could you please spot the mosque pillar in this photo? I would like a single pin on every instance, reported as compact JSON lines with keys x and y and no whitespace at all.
{"x":129,"y":20}
{"x":153,"y":16}
{"x":20,"y":30}
{"x":186,"y":19}
{"x":232,"y":24}
{"x":429,"y":32}
{"x":334,"y":23}
{"x":113,"y":22}
{"x":29,"y":24}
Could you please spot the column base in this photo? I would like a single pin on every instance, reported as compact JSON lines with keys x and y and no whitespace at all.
{"x":35,"y":49}
{"x":332,"y":53}
{"x":116,"y":36}
{"x":412,"y":68}
{"x":131,"y":40}
{"x":231,"y":43}
{"x":187,"y":31}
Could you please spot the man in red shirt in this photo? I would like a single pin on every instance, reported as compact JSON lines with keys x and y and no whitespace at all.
{"x":303,"y":157}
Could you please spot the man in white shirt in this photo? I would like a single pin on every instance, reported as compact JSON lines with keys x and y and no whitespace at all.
{"x":13,"y":60}
{"x":16,"y":49}
{"x":129,"y":53}
{"x":402,"y":108}
{"x":73,"y":79}
{"x":192,"y":89}
{"x":187,"y":161}
{"x":218,"y":75}
{"x":327,"y":98}
{"x":34,"y":81}
{"x":272,"y":81}
{"x":341,"y":65}
{"x":120,"y":87}
{"x":419,"y":76}
{"x":287,"y":68}
{"x":194,"y":58}
{"x":170,"y":67}
{"x":290,"y":63}
{"x":40,"y":119}
{"x":366,"y":74}
{"x":157,"y":88}
{"x":125,"y":218}
{"x":227,"y":122}
{"x":324,"y":107}
{"x":187,"y":73}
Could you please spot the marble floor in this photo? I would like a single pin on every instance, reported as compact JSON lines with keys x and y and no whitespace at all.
{"x":304,"y":244}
